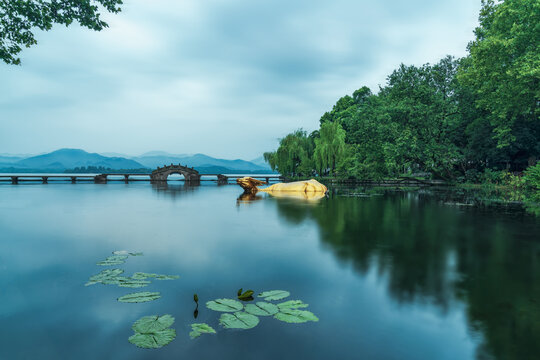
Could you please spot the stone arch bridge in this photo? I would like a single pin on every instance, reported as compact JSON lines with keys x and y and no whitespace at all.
{"x":162,"y":173}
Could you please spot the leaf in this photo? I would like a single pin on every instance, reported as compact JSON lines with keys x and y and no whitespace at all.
{"x":292,"y":304}
{"x":238,"y":320}
{"x":143,"y":276}
{"x":227,"y":305}
{"x":153,"y":340}
{"x":133,"y":283}
{"x":196,"y":298}
{"x":239,"y":292}
{"x":295,"y":316}
{"x":153,"y":323}
{"x":199,"y":329}
{"x":246,"y":295}
{"x":120,"y":252}
{"x":113,"y":260}
{"x":261,"y":308}
{"x":125,"y":253}
{"x":274,"y":295}
{"x":105,"y":275}
{"x":151,"y":332}
{"x":139,"y":297}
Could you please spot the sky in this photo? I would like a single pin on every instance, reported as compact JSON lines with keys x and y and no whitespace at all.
{"x":227,"y":78}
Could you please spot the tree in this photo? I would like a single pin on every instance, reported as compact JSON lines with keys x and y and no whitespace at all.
{"x":504,"y":66}
{"x":293,"y":156}
{"x":19,"y":18}
{"x":329,"y":147}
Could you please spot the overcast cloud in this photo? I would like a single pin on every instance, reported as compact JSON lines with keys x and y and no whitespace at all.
{"x":226,"y":78}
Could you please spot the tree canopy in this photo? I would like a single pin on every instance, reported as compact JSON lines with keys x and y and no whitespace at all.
{"x":20,"y":18}
{"x":452,"y":119}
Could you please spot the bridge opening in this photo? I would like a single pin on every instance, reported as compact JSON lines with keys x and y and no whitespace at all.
{"x":175,"y":177}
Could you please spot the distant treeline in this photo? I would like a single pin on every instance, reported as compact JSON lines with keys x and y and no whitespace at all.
{"x":458,"y":120}
{"x":103,"y":170}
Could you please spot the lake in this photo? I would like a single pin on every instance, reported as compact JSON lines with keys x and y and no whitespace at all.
{"x":390,"y":274}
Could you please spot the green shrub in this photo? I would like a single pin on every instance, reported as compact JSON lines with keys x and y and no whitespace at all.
{"x":532,"y":177}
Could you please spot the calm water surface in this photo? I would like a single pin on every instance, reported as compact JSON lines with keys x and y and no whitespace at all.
{"x":402,"y":275}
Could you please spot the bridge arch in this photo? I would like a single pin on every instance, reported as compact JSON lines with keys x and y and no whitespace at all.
{"x":161,"y":174}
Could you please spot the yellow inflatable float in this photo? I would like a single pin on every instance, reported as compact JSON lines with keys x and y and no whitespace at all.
{"x":306,"y":189}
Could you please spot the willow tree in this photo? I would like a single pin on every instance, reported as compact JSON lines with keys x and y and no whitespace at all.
{"x":293,"y":156}
{"x":330,"y":147}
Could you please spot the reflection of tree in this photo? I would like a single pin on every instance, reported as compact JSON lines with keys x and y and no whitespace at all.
{"x":437,"y":253}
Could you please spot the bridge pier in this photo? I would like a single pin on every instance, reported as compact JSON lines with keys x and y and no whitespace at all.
{"x":222,"y":179}
{"x":100,"y":179}
{"x":14,"y":179}
{"x":45,"y":179}
{"x":126,"y":178}
{"x":73,"y":179}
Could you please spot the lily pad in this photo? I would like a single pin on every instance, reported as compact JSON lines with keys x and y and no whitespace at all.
{"x":113,"y":260}
{"x":261,"y":308}
{"x":143,"y":276}
{"x":199,"y":329}
{"x":292,"y":304}
{"x":295,"y":316}
{"x":238,"y":320}
{"x":153,"y":323}
{"x":274,"y":295}
{"x":133,"y":283}
{"x":125,"y":253}
{"x":105,"y":275}
{"x":153,"y":340}
{"x":139,"y":297}
{"x":225,"y":305}
{"x":152,"y":332}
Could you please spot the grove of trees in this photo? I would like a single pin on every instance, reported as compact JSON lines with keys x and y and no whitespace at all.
{"x":458,"y":119}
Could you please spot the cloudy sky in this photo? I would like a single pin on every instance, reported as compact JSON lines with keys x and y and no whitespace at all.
{"x":226,"y":78}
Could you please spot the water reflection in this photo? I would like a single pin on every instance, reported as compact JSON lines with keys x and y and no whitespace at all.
{"x":434,"y":253}
{"x":174,"y":190}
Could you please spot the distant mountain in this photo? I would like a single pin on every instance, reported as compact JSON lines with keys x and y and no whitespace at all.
{"x":200,"y":161}
{"x":67,"y":159}
{"x":261,"y":162}
{"x":63,"y":159}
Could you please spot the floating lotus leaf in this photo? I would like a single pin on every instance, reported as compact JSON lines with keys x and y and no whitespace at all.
{"x":133,"y":283}
{"x":226,"y":305}
{"x":295,"y":316}
{"x":274,"y":295}
{"x":113,"y":260}
{"x":153,"y":340}
{"x":151,"y":332}
{"x":126,"y":253}
{"x":199,"y":329}
{"x":238,"y":320}
{"x":291,"y":304}
{"x":139,"y":297}
{"x":143,"y":276}
{"x":153,"y":323}
{"x":261,"y":308}
{"x":104,"y":276}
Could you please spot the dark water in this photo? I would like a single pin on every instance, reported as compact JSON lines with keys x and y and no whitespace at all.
{"x":403,"y":275}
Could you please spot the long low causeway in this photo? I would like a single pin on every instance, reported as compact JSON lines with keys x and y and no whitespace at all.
{"x":105,"y":178}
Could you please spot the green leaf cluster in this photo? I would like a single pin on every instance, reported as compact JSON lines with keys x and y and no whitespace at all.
{"x":237,"y":316}
{"x":153,"y":332}
{"x":450,"y":120}
{"x":19,"y":19}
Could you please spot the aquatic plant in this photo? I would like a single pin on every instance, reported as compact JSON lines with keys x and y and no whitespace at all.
{"x":153,"y":332}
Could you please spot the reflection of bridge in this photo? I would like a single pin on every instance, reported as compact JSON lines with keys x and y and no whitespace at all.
{"x":161,"y":174}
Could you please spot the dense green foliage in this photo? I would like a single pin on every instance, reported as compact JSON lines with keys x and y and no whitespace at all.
{"x":19,"y":18}
{"x":459,"y":119}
